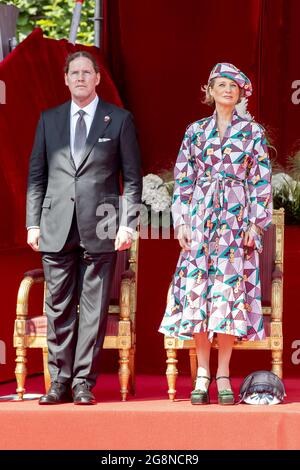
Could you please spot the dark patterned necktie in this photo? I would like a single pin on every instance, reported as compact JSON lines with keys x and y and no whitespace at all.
{"x":80,"y":137}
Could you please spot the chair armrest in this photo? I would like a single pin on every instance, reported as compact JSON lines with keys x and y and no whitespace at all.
{"x":35,"y":276}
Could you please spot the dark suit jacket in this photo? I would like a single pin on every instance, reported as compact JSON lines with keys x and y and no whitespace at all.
{"x":56,"y":188}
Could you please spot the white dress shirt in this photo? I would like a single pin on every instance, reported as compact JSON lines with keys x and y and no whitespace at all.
{"x":88,"y":117}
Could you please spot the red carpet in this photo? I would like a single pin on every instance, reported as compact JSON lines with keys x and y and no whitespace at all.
{"x":148,"y":421}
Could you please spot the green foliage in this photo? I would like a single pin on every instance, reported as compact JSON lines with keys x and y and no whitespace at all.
{"x":289,"y":199}
{"x":54,"y":18}
{"x":287,"y":195}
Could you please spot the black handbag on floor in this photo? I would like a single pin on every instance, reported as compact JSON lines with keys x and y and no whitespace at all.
{"x":262,"y":387}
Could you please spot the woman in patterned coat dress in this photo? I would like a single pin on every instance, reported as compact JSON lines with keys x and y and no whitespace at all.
{"x":221,"y":205}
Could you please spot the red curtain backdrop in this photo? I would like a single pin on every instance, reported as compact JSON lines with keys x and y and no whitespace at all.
{"x":280,"y":68}
{"x":161,"y":53}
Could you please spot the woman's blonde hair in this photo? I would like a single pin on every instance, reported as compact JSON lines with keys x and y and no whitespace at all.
{"x":208,"y":98}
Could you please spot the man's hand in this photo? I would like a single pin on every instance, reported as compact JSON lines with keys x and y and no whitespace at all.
{"x":33,"y":237}
{"x":184,"y":237}
{"x":123,"y":240}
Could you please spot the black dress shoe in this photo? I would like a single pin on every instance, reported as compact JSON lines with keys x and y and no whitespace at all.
{"x":82,"y":395}
{"x":57,"y":393}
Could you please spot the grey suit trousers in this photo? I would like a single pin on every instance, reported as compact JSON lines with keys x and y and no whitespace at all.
{"x":75,"y":277}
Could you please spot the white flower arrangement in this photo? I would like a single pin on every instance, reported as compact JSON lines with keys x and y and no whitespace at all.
{"x":157,"y":196}
{"x":155,"y":193}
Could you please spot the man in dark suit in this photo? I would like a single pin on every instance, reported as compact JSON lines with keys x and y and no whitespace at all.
{"x":74,"y":218}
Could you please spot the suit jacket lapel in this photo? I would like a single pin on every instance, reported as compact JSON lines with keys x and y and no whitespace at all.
{"x":100,"y":122}
{"x":63,"y":125}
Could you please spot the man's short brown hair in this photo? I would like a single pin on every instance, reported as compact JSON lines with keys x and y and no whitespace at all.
{"x":76,"y":55}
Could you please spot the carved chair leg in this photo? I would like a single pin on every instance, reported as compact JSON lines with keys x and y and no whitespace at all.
{"x":124,"y":372}
{"x":277,"y":362}
{"x":21,"y":371}
{"x":132,"y":370}
{"x":171,"y":372}
{"x":193,"y":365}
{"x":47,"y":379}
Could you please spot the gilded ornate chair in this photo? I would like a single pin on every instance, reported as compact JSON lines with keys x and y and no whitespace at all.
{"x":271,"y":270}
{"x":31,"y":331}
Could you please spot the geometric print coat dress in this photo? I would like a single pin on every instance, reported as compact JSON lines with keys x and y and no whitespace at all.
{"x":221,"y":187}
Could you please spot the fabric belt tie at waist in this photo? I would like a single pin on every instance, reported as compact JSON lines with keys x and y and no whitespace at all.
{"x":219,"y":181}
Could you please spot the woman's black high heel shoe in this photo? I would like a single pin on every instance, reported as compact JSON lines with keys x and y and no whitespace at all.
{"x":226,"y":396}
{"x":201,"y":397}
